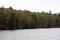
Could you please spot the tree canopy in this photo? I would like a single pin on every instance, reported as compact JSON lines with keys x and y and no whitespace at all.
{"x":24,"y":19}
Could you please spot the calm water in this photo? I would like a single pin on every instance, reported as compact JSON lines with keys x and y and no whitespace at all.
{"x":31,"y":34}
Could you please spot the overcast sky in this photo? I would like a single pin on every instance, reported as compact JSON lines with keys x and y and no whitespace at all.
{"x":33,"y":5}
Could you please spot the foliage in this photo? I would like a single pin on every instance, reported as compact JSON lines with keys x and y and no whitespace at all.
{"x":18,"y":19}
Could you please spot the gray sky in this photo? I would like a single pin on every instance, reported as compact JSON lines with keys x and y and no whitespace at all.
{"x":33,"y":5}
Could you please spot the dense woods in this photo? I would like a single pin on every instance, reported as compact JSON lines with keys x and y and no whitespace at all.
{"x":24,"y":19}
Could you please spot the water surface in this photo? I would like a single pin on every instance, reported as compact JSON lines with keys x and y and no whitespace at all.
{"x":31,"y":34}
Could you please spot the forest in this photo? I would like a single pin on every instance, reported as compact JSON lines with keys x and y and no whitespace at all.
{"x":11,"y":19}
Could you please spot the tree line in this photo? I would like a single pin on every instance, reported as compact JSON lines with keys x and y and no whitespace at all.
{"x":11,"y":19}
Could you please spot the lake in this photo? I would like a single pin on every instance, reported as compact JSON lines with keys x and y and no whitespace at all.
{"x":31,"y":34}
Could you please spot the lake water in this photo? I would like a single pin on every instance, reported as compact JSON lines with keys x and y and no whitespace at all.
{"x":31,"y":34}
